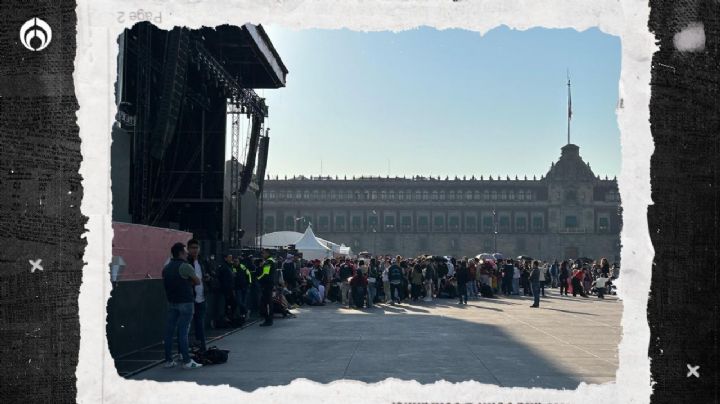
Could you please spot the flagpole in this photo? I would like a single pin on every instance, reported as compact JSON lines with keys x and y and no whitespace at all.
{"x":569,"y":108}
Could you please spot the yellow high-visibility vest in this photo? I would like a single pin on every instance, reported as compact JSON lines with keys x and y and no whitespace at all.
{"x":266,"y":268}
{"x":247,"y":272}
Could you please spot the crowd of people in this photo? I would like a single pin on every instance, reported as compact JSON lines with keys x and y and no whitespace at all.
{"x":363,"y":282}
{"x":268,"y":284}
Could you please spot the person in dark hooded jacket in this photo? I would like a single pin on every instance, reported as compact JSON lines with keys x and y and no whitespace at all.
{"x":462,"y":276}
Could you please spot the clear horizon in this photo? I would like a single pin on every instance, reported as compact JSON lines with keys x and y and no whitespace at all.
{"x":442,"y":103}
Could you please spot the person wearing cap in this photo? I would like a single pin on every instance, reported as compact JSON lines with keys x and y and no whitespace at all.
{"x":266,"y":280}
{"x":290,"y":272}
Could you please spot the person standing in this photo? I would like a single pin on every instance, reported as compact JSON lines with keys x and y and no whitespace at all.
{"x":535,"y":281}
{"x":544,"y":275}
{"x":416,"y":282}
{"x":200,"y":307}
{"x":346,"y":273}
{"x":462,"y":276}
{"x":328,"y":274}
{"x":178,"y":281}
{"x":386,"y":284}
{"x":605,"y":267}
{"x":508,"y":273}
{"x":289,"y":271}
{"x":563,"y":276}
{"x":395,"y":276}
{"x":472,"y":274}
{"x":554,"y":272}
{"x":243,"y":284}
{"x":372,"y":276}
{"x":429,"y":276}
{"x":517,"y":273}
{"x":227,"y":287}
{"x":266,"y":280}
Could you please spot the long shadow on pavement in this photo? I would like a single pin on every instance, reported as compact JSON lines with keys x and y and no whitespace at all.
{"x":329,"y":343}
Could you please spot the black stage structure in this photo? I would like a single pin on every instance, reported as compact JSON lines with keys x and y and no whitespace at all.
{"x":175,"y":90}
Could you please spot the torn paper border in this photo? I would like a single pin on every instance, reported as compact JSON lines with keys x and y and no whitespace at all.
{"x":98,"y":28}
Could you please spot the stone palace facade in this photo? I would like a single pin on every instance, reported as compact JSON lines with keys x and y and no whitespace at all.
{"x":568,"y":213}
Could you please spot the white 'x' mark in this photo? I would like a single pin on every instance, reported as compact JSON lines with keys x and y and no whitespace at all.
{"x":693,"y":371}
{"x":35,"y":265}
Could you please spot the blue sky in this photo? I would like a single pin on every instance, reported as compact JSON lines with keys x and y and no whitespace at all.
{"x":449,"y":102}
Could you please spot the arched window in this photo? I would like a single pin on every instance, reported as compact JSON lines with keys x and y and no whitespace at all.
{"x":418,"y":195}
{"x":434,"y":196}
{"x":511,"y":195}
{"x":521,"y":195}
{"x":451,"y":195}
{"x":493,"y":195}
{"x":503,"y":195}
{"x":468,"y":195}
{"x":425,"y":195}
{"x":486,"y":195}
{"x":442,"y":195}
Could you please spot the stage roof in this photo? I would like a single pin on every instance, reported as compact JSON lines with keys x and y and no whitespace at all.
{"x":247,"y":53}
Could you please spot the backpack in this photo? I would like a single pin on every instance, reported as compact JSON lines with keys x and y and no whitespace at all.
{"x":486,"y":291}
{"x":212,"y":356}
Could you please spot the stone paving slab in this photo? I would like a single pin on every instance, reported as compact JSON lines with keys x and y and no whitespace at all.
{"x":498,"y":341}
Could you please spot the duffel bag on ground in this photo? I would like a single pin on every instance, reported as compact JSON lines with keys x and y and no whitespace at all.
{"x":212,"y":356}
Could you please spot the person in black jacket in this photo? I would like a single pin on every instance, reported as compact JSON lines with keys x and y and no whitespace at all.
{"x":508,"y":272}
{"x":289,"y":270}
{"x":534,"y":280}
{"x":266,"y":277}
{"x":563,"y":278}
{"x":244,"y":270}
{"x":227,"y":287}
{"x":461,"y":276}
{"x":395,"y":276}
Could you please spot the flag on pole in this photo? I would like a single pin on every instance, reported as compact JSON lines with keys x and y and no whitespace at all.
{"x":569,"y":108}
{"x":569,"y":101}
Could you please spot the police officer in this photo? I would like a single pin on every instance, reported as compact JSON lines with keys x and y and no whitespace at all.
{"x":243,"y":282}
{"x":266,"y":279}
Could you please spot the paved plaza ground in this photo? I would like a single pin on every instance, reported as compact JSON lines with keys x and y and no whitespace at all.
{"x":499,"y":341}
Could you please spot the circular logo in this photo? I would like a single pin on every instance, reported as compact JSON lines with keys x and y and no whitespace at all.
{"x":35,"y":34}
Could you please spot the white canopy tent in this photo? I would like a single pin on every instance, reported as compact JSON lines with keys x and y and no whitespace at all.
{"x":279,"y":239}
{"x":285,"y":238}
{"x":311,"y":248}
